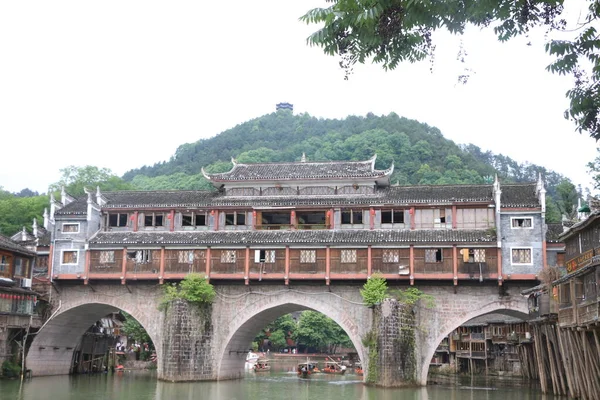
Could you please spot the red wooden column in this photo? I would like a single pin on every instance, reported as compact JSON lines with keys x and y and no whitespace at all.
{"x":454,"y":217}
{"x":369,"y":261}
{"x":500,"y":278}
{"x":411,"y":263}
{"x":293,"y":221}
{"x":172,"y":220}
{"x":215,"y":214}
{"x":286,"y":275}
{"x":327,"y":264}
{"x":161,"y":271}
{"x":124,"y":266}
{"x":86,"y":272}
{"x":455,"y":263}
{"x":135,"y":221}
{"x":50,"y":258}
{"x":412,"y":218}
{"x":207,"y":273}
{"x":247,"y":267}
{"x":371,"y":219}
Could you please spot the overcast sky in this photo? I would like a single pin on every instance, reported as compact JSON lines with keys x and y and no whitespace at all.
{"x":121,"y":84}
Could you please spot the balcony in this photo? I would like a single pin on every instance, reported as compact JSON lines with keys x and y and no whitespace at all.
{"x":16,"y":304}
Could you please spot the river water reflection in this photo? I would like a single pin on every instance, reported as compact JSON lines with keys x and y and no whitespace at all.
{"x":277,"y":384}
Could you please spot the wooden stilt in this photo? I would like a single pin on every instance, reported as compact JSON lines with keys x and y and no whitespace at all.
{"x":567,"y":361}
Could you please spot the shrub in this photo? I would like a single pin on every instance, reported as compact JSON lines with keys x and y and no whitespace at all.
{"x":374,"y":290}
{"x":194,"y":289}
{"x":11,"y":369}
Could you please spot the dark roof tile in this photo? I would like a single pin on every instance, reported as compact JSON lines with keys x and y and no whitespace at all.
{"x":10,"y":245}
{"x":286,"y":171}
{"x":356,"y":237}
{"x":519,"y":195}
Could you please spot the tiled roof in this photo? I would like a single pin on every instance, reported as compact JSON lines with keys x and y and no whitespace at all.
{"x":553,"y":233}
{"x":493,"y":318}
{"x":339,"y":237}
{"x":76,"y":207}
{"x":519,"y":195}
{"x":166,"y":198}
{"x":8,"y":244}
{"x":594,"y":215}
{"x":442,"y":194}
{"x":286,"y":171}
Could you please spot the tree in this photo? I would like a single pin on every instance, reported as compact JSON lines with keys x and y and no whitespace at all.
{"x":567,"y":199}
{"x":17,"y":212}
{"x":134,"y":330}
{"x":74,"y":179}
{"x":594,"y":170}
{"x":277,"y":332}
{"x":392,"y":31}
{"x":321,"y":332}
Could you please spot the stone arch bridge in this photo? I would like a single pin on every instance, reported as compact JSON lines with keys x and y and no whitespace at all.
{"x":194,"y":345}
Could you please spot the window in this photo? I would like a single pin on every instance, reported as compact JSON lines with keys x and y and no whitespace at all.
{"x":185,"y":256}
{"x":153,"y":219}
{"x":433,"y":255}
{"x":235,"y":218}
{"x":392,"y":216}
{"x":143,"y":256}
{"x":520,"y":223}
{"x":308,"y":256}
{"x":227,"y":256}
{"x":521,"y":256}
{"x":70,"y":228}
{"x":264,"y":256}
{"x":352,"y":217}
{"x":107,"y":257}
{"x":391,"y":256}
{"x":4,"y":263}
{"x":473,"y":255}
{"x":348,"y":256}
{"x":117,"y":220}
{"x":194,"y":219}
{"x":69,"y":257}
{"x":19,"y":266}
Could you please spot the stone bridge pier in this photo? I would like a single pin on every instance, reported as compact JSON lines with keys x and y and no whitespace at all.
{"x":211,"y":343}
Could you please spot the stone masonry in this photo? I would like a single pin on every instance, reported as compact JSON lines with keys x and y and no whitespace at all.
{"x":201,"y":345}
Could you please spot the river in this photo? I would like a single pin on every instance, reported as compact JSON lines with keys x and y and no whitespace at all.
{"x":280,"y":383}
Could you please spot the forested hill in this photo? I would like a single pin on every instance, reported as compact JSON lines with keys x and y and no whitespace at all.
{"x":420,"y":152}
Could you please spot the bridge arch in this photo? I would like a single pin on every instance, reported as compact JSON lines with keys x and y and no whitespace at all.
{"x":52,"y":348}
{"x":513,"y":306}
{"x":345,"y":309}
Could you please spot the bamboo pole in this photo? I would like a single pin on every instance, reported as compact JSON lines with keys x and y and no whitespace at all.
{"x":592,"y":372}
{"x":555,"y":388}
{"x":567,"y":362}
{"x":576,"y":366}
{"x":583,"y":383}
{"x":537,"y":341}
{"x":557,"y":357}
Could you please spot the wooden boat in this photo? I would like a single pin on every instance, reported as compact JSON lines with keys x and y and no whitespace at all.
{"x":306,"y":369}
{"x":262,"y":365}
{"x":333,"y":367}
{"x":358,"y":370}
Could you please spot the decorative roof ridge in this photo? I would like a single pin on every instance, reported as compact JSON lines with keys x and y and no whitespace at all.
{"x":471,"y":185}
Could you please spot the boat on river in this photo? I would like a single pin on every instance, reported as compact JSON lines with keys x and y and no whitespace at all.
{"x":358,"y":370}
{"x":252,"y":357}
{"x":262,"y":365}
{"x":306,"y":369}
{"x":333,"y":367}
